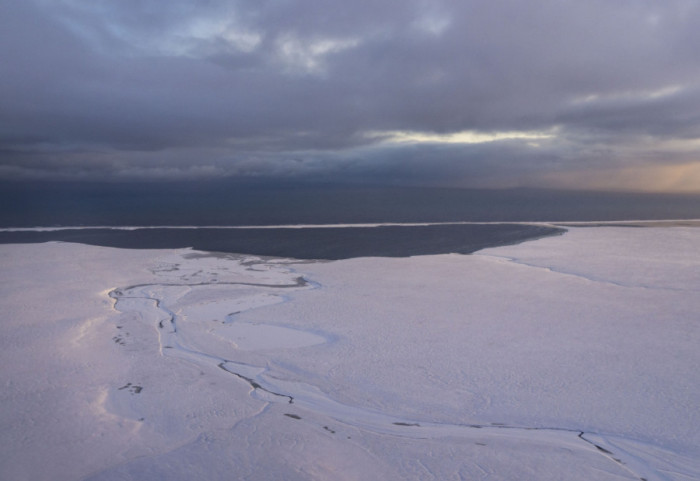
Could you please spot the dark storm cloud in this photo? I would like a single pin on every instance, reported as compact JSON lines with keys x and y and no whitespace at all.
{"x":286,"y":88}
{"x":673,"y":114}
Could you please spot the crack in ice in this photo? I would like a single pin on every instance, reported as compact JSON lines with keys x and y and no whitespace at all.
{"x":578,"y":275}
{"x":309,"y":397}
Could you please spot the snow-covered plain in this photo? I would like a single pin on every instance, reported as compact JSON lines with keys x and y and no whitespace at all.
{"x":569,"y":357}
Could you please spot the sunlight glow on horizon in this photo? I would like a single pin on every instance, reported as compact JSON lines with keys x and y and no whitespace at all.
{"x":677,"y":178}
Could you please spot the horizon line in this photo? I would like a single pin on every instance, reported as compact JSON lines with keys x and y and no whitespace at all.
{"x":561,"y":223}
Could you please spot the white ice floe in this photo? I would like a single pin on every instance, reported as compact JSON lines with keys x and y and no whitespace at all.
{"x":569,"y":357}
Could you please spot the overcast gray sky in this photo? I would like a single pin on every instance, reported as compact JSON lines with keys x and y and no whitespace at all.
{"x":477,"y":93}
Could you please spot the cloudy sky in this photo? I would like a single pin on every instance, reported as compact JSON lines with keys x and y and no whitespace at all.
{"x":476,"y":93}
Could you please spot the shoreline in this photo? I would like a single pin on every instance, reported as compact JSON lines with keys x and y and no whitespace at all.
{"x":322,"y":241}
{"x":317,"y":243}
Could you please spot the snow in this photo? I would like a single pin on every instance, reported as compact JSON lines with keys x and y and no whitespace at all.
{"x":568,"y":357}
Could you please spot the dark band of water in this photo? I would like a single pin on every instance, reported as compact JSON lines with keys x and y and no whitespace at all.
{"x":303,"y":243}
{"x":231,"y":204}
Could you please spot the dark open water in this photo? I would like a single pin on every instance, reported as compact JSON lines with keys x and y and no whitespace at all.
{"x":228,"y":204}
{"x":64,"y":204}
{"x":307,"y":243}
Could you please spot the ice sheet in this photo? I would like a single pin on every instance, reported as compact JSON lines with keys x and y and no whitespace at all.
{"x":571,"y":357}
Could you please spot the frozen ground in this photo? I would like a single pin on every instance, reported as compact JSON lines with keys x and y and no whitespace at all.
{"x":570,"y":357}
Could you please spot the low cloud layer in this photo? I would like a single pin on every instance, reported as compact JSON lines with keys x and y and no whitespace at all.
{"x":592,"y":94}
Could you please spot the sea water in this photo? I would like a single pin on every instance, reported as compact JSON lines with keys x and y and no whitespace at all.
{"x":455,"y":216}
